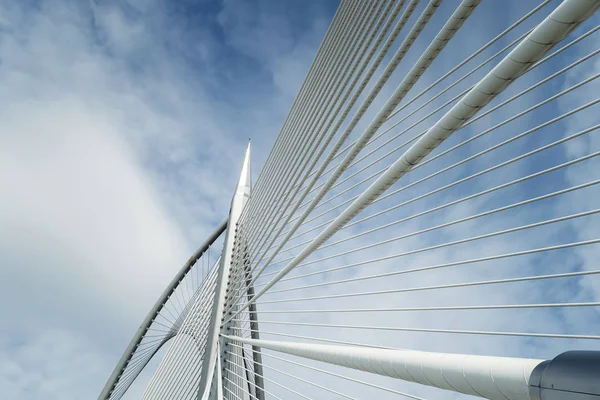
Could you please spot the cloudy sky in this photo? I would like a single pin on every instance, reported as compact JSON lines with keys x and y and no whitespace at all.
{"x":122,"y":127}
{"x":123,"y":124}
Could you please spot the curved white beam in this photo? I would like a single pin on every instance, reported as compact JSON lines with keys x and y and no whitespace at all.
{"x":158,"y":306}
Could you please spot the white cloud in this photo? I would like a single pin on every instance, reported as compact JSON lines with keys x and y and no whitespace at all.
{"x":121,"y":134}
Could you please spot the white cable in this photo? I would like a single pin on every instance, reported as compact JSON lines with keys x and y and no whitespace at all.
{"x":364,"y":63}
{"x":450,"y":72}
{"x":512,"y":98}
{"x":453,"y":331}
{"x":554,"y":28}
{"x":317,"y":104}
{"x":273,"y":212}
{"x":447,"y":32}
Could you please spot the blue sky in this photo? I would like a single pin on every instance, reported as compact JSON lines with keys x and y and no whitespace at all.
{"x":122,"y":127}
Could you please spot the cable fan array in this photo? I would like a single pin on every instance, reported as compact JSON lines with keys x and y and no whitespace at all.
{"x":173,"y":317}
{"x":429,"y":206}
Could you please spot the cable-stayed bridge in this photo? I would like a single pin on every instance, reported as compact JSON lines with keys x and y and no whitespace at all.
{"x":425,"y":226}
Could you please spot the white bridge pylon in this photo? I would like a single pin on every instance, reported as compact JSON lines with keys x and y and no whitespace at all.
{"x":442,"y":247}
{"x":216,"y":345}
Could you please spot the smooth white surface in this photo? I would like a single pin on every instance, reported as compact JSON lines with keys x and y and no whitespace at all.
{"x":240,"y":197}
{"x":496,"y":378}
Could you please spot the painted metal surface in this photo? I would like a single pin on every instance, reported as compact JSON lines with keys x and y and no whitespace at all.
{"x":241,"y":196}
{"x":496,"y":378}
